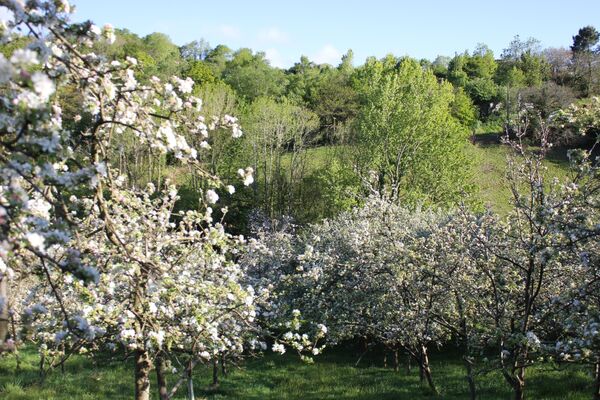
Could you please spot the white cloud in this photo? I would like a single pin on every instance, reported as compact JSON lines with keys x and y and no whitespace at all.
{"x":273,"y":35}
{"x":327,"y":55}
{"x":229,"y":31}
{"x":275,"y":58}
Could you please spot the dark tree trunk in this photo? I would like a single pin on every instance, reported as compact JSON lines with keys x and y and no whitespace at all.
{"x":384,"y":359}
{"x":42,"y":366}
{"x":519,"y":384}
{"x":421,"y":370}
{"x":470,"y":378}
{"x":223,"y":366}
{"x":215,"y":375}
{"x":161,"y":378}
{"x":597,"y":380}
{"x":518,"y":390}
{"x":396,"y":361}
{"x":142,"y":375}
{"x":467,"y":348}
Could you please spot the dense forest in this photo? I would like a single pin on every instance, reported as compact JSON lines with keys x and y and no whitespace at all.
{"x":313,"y":132}
{"x":172,"y":214}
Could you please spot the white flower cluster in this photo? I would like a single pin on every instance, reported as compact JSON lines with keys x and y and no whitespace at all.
{"x":247,"y":175}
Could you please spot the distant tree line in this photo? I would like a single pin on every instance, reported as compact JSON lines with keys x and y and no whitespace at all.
{"x":403,"y":120}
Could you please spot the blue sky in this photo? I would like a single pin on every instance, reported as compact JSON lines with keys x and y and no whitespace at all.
{"x":325,"y":29}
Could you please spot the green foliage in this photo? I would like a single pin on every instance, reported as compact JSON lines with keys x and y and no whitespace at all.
{"x":535,"y":69}
{"x":586,"y":38}
{"x":475,"y":74}
{"x":19,"y":42}
{"x":347,"y":64}
{"x":218,"y":57}
{"x":456,"y":70}
{"x":277,"y":134}
{"x":331,"y":187}
{"x":440,"y":66}
{"x":200,"y":72}
{"x":482,"y":63}
{"x":511,"y":76}
{"x":585,"y":60}
{"x":165,"y":55}
{"x":522,"y":65}
{"x":156,"y":53}
{"x":463,"y":110}
{"x":407,"y":135}
{"x":251,"y":76}
{"x":335,"y":102}
{"x":229,"y":80}
{"x":303,"y":81}
{"x":483,"y":91}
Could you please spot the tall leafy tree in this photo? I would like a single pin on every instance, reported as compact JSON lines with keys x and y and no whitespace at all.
{"x":407,"y":135}
{"x":218,"y":57}
{"x":585,"y":40}
{"x":251,"y":75}
{"x":585,"y":57}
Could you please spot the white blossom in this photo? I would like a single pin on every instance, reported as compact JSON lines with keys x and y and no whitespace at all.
{"x":211,"y":196}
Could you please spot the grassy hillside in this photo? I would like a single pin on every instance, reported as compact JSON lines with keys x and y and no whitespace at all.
{"x":490,"y":161}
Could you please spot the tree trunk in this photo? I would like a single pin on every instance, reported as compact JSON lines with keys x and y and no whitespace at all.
{"x":142,"y":375}
{"x":384,"y":359}
{"x":223,"y":366}
{"x":191,"y":395}
{"x":42,"y":366}
{"x":3,"y":309}
{"x":519,"y":383}
{"x":518,"y":390}
{"x":426,"y":369}
{"x":408,"y":364}
{"x":215,"y":375}
{"x":470,"y":378}
{"x":597,"y":380}
{"x":421,"y":370}
{"x":467,"y":348}
{"x":396,"y":361}
{"x":161,"y":379}
{"x":190,"y":382}
{"x":14,"y":336}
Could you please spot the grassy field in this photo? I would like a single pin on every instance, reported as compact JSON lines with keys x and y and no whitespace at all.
{"x":490,"y":160}
{"x":333,"y":376}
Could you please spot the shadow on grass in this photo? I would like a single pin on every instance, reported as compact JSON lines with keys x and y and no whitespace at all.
{"x":332,"y":376}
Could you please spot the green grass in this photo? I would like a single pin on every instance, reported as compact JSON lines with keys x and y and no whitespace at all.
{"x":490,"y":162}
{"x":333,"y":376}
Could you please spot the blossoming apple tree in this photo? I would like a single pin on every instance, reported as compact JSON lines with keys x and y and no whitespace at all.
{"x":119,"y":267}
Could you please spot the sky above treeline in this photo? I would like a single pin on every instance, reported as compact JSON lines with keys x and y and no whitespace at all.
{"x":324,"y":30}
